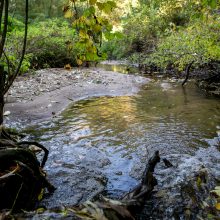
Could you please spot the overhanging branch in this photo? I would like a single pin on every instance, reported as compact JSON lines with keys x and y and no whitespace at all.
{"x":10,"y":82}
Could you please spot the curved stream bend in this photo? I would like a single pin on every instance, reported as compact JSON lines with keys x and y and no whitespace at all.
{"x":103,"y":144}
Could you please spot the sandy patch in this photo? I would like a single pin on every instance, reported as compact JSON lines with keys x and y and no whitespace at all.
{"x":49,"y":91}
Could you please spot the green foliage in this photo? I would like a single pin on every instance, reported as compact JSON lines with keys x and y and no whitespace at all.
{"x":91,"y":23}
{"x":199,"y":43}
{"x":158,"y":33}
{"x":55,"y":42}
{"x":170,"y":33}
{"x":47,"y":45}
{"x":39,"y":10}
{"x":113,"y":47}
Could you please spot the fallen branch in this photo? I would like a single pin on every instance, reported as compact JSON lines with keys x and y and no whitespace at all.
{"x":127,"y":207}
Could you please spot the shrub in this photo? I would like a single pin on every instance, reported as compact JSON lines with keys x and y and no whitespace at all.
{"x":48,"y":45}
{"x":198,"y":42}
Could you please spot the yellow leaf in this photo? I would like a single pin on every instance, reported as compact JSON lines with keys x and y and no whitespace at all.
{"x":83,"y":34}
{"x":68,"y":67}
{"x":68,"y":14}
{"x":217,"y":206}
{"x":40,"y":196}
{"x":100,"y":5}
{"x":79,"y":62}
{"x":107,"y":8}
{"x":97,"y":28}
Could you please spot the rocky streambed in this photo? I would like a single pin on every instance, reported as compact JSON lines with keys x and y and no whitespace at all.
{"x":101,"y":144}
{"x":49,"y":91}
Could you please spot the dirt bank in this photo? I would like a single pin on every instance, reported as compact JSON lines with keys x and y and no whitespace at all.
{"x":49,"y":91}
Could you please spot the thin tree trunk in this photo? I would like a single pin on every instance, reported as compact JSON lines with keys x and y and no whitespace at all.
{"x":1,"y":13}
{"x":9,"y":84}
{"x":50,"y":9}
{"x":5,"y":28}
{"x":1,"y":97}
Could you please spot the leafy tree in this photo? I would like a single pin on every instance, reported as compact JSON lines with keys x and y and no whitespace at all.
{"x":39,"y":10}
{"x":47,"y":44}
{"x":91,"y":22}
{"x":170,"y":33}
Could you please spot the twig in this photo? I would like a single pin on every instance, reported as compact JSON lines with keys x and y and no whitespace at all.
{"x":12,"y":208}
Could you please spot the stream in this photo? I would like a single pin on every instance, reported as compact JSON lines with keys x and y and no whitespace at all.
{"x":101,"y":145}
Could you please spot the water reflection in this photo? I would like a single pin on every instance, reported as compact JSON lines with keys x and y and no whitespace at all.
{"x":108,"y":136}
{"x":122,"y":68}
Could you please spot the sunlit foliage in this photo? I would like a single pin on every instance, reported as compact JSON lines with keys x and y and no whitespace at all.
{"x":170,"y":33}
{"x":91,"y":22}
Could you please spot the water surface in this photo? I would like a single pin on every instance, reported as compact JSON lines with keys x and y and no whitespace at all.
{"x":102,"y":144}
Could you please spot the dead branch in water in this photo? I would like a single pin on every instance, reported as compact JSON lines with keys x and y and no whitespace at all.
{"x":187,"y":73}
{"x":129,"y":204}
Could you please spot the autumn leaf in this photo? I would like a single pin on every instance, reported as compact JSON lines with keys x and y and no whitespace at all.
{"x":79,"y":62}
{"x":68,"y":14}
{"x":217,"y":206}
{"x":68,"y":67}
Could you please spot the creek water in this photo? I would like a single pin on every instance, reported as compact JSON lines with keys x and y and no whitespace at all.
{"x":102,"y":144}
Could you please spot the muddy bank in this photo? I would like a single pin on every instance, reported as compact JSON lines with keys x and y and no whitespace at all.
{"x":49,"y":91}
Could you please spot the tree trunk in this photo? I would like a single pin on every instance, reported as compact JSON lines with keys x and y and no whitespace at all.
{"x":1,"y":97}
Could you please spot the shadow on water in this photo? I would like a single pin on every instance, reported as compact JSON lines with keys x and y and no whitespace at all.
{"x":103,"y":143}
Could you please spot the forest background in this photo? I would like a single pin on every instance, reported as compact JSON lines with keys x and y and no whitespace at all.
{"x":156,"y":34}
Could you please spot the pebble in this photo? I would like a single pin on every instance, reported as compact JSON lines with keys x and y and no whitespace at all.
{"x":7,"y":113}
{"x":43,"y":81}
{"x":118,"y":173}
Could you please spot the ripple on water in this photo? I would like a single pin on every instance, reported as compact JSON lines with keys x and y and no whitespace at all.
{"x":104,"y":143}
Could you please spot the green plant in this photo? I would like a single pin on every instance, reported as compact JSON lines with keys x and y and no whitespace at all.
{"x":199,"y":42}
{"x":47,"y":45}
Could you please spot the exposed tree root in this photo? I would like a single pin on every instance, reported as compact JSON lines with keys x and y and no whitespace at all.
{"x":104,"y":209}
{"x":21,"y":176}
